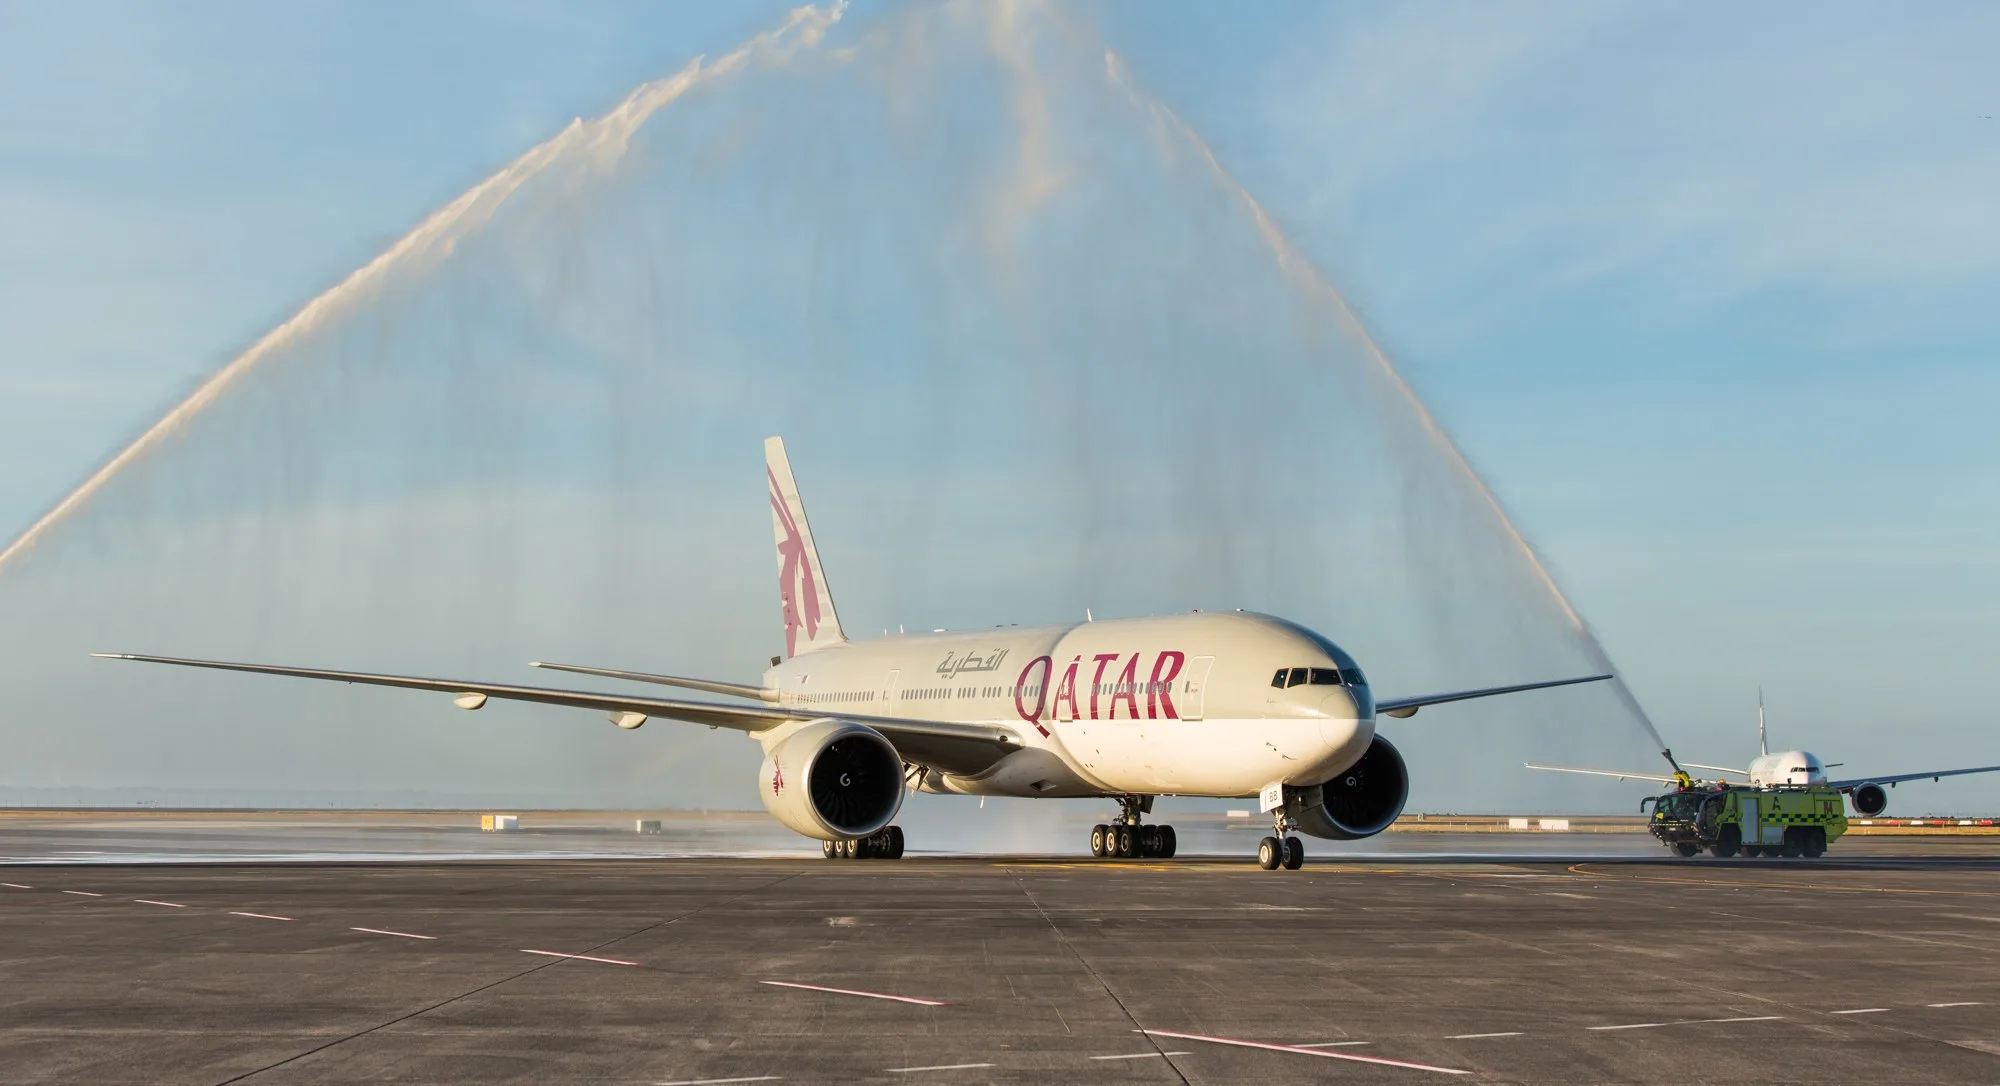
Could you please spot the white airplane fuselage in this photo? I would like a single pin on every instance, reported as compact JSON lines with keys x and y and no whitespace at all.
{"x":1172,"y":705}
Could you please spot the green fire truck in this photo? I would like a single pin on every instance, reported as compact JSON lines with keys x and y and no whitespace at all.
{"x":1726,"y":819}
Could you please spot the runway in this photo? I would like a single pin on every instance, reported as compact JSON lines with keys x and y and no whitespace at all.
{"x":1876,"y":966}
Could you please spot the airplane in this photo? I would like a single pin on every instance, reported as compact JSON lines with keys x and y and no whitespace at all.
{"x":1789,"y":769}
{"x":1231,"y":704}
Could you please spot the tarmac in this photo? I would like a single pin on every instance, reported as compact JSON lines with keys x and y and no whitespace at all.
{"x":1879,"y":963}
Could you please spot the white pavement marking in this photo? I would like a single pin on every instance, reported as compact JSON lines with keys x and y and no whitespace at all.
{"x":717,"y":1081}
{"x":1333,"y":1044}
{"x":938,"y":1067}
{"x":261,"y":916}
{"x":852,"y":992}
{"x":580,"y":957}
{"x":400,"y":934}
{"x":1320,"y":1052}
{"x":1142,"y":1056}
{"x":168,"y":904}
{"x":1954,"y":1004}
{"x":1689,"y":1022}
{"x":1476,"y":1036}
{"x":16,"y":885}
{"x":1861,"y":1010}
{"x":82,"y":893}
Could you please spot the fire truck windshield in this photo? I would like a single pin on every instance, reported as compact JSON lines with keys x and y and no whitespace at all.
{"x":1679,"y":806}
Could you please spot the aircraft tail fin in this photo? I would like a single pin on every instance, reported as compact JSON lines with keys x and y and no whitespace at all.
{"x":1763,"y":747}
{"x":810,"y":621}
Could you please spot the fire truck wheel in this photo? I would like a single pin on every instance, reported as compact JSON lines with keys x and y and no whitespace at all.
{"x":1815,"y":843}
{"x":1795,"y":846}
{"x":1753,"y":851}
{"x":1727,"y":841}
{"x":1686,"y":848}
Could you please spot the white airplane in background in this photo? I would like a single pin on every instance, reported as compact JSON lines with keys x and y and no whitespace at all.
{"x":1221,"y":705}
{"x":1792,"y":769}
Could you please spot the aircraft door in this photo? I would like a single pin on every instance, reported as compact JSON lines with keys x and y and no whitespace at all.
{"x":1196,"y":690}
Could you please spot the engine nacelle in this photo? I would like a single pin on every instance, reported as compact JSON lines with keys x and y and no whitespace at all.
{"x":1362,"y":800}
{"x":1869,"y":799}
{"x":833,"y":780}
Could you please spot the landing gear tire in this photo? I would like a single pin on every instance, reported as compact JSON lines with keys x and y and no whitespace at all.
{"x":1168,"y":842}
{"x":1686,"y":849}
{"x":844,"y":850}
{"x":1815,"y":842}
{"x":1149,"y":841}
{"x":1270,"y":853}
{"x":895,"y":850}
{"x":1128,"y":844}
{"x":1295,"y":854}
{"x":829,"y":849}
{"x":1101,"y":841}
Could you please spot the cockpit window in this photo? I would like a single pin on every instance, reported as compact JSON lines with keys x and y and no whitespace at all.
{"x":1318,"y":676}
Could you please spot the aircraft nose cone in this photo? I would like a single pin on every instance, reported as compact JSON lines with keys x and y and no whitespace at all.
{"x":1338,"y":705}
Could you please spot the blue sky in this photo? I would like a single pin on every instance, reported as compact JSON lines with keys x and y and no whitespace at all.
{"x":1706,"y":293}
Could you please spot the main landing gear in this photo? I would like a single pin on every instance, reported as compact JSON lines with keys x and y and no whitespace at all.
{"x":1281,"y":849}
{"x":885,"y":845}
{"x":1127,"y":839}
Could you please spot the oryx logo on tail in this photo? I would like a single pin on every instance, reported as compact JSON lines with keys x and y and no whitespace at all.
{"x":802,"y":589}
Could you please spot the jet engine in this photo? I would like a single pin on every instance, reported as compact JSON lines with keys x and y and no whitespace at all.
{"x":833,"y":780}
{"x":1362,"y":800}
{"x":1869,"y":799}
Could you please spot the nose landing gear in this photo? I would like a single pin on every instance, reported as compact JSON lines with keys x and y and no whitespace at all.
{"x":1281,"y":849}
{"x":1127,"y":839}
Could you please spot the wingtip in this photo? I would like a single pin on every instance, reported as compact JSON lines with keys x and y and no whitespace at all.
{"x":112,"y":655}
{"x":536,"y":663}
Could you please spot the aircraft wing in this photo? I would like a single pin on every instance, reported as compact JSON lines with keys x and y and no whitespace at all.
{"x":1408,"y":706}
{"x":1662,"y":778}
{"x":949,"y":746}
{"x":710,"y":686}
{"x":1932,"y":775}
